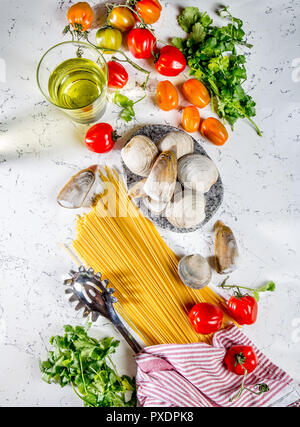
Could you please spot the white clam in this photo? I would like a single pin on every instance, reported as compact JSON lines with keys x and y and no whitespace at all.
{"x":187,"y":210}
{"x":197,"y":172}
{"x":74,"y":193}
{"x":137,"y":190}
{"x":161,"y":182}
{"x":179,"y":143}
{"x":194,"y":271}
{"x":154,"y":206}
{"x":139,"y":155}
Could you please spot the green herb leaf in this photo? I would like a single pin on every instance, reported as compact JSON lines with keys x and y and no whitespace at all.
{"x":268,"y":287}
{"x":211,"y":53}
{"x":84,"y":363}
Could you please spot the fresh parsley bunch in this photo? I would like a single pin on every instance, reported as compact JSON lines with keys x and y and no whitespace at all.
{"x":212,"y":55}
{"x":85,"y":364}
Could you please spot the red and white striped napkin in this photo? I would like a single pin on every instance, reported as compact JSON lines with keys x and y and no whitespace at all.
{"x":193,"y":375}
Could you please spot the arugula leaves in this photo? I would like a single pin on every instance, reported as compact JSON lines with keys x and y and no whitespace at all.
{"x":211,"y":53}
{"x":84,"y":363}
{"x":127,"y":113}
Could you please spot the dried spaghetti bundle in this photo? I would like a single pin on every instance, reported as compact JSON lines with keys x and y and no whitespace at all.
{"x":117,"y":240}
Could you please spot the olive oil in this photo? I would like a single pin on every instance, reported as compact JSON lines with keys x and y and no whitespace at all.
{"x":76,"y":83}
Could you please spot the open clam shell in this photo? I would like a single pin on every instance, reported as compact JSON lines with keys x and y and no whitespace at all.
{"x":226,"y":250}
{"x":137,"y":190}
{"x":139,"y":155}
{"x":179,"y":143}
{"x":74,"y":193}
{"x":197,"y":172}
{"x":194,"y":271}
{"x":187,"y":209}
{"x":161,"y":182}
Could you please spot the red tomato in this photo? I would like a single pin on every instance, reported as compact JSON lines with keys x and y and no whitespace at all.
{"x":81,"y":14}
{"x":141,"y":43}
{"x":100,"y":138}
{"x":117,"y":75}
{"x":206,"y":318}
{"x":167,"y":96}
{"x":243,"y":309}
{"x":191,"y":119}
{"x":214,"y":131}
{"x":239,"y":357}
{"x":149,"y":10}
{"x":196,"y":93}
{"x":171,"y":62}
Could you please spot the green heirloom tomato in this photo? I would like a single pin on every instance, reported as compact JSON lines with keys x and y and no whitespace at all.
{"x":109,"y":38}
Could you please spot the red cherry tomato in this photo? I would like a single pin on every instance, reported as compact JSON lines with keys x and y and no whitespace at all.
{"x":241,"y":357}
{"x":117,"y":75}
{"x":191,"y":119}
{"x":213,"y":130}
{"x":141,"y":43}
{"x":100,"y":138}
{"x":206,"y":318}
{"x":171,"y":61}
{"x":149,"y":10}
{"x":243,"y":309}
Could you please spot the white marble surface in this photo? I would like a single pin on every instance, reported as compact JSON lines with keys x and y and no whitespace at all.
{"x":40,"y":149}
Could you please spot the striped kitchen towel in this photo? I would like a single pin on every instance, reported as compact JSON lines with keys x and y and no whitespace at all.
{"x":193,"y":375}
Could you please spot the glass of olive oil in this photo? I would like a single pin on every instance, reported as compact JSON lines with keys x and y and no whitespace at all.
{"x":73,"y":76}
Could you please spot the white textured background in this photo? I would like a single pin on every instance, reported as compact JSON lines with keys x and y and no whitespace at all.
{"x":40,"y":149}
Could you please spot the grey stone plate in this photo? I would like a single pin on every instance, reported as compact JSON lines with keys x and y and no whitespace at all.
{"x":213,"y":198}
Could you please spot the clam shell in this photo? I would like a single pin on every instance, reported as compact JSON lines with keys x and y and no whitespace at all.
{"x":187,"y":209}
{"x":161,"y":182}
{"x":194,"y":271}
{"x":178,"y":142}
{"x":226,"y":250}
{"x":197,"y":172}
{"x":137,"y":190}
{"x":139,"y":155}
{"x":74,"y":193}
{"x":154,"y":206}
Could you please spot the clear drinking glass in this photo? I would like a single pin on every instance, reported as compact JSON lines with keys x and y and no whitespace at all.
{"x":73,"y":76}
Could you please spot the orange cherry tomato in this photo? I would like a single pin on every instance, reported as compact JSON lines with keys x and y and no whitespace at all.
{"x":121,"y":18}
{"x":191,"y":119}
{"x":214,"y":131}
{"x":82,"y":14}
{"x":167,"y":96}
{"x":196,"y":93}
{"x":149,"y":10}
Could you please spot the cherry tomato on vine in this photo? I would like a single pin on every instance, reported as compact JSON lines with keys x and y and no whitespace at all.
{"x":82,"y":14}
{"x":191,"y":119}
{"x":206,"y":318}
{"x":243,"y":309}
{"x":149,"y":10}
{"x":167,"y":96}
{"x":100,"y":138}
{"x":214,"y":131}
{"x":109,"y":38}
{"x":117,"y":75}
{"x":241,"y":357}
{"x":171,"y":62}
{"x":141,"y":43}
{"x":196,"y":93}
{"x":121,"y":18}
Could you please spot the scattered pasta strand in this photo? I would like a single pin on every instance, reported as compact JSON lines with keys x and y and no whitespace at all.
{"x":114,"y":238}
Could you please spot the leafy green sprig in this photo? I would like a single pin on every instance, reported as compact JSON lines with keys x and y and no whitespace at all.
{"x":85,"y":364}
{"x":127,"y":113}
{"x":268,"y":287}
{"x":212,"y":56}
